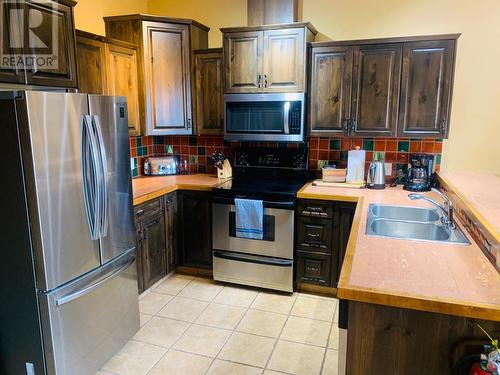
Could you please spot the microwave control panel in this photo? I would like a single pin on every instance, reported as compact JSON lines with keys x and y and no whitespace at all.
{"x":294,"y":120}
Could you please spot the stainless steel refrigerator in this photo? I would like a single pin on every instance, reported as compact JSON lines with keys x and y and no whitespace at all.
{"x":68,"y":282}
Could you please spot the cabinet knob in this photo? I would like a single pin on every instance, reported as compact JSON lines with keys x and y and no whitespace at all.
{"x":259,"y":80}
{"x":265,"y":80}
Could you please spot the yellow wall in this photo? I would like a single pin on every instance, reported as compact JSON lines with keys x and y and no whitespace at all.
{"x":475,"y":120}
{"x":89,"y":13}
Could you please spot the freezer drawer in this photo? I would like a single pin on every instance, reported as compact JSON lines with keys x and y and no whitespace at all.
{"x":87,"y":322}
{"x":265,"y":272}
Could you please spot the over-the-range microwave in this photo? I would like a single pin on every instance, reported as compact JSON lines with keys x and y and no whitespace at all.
{"x":276,"y":117}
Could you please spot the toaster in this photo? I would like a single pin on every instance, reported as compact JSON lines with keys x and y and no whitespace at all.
{"x":160,"y":166}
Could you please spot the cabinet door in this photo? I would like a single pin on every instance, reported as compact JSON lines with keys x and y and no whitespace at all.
{"x":283,"y":60}
{"x":427,"y":77}
{"x":11,"y":38}
{"x":314,"y":234}
{"x":167,"y":79}
{"x":196,"y":229}
{"x":91,"y":61}
{"x":122,"y":77}
{"x":57,"y":33}
{"x":243,"y":61}
{"x":209,"y":93}
{"x":153,"y":249}
{"x":331,"y":71}
{"x":171,"y":230}
{"x":375,"y":97}
{"x":313,"y":268}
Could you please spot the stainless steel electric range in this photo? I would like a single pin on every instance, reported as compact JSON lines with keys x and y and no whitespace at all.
{"x":273,"y":176}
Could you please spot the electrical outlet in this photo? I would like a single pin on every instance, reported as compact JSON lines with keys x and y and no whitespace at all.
{"x":388,"y":169}
{"x":132,"y":165}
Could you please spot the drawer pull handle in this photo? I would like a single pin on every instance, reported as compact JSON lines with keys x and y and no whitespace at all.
{"x":313,"y":235}
{"x":140,"y":212}
{"x":317,"y":209}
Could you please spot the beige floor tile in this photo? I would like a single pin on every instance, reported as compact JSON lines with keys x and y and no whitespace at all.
{"x":336,"y":315}
{"x":173,"y":284}
{"x":330,"y":367}
{"x":221,"y":316}
{"x":262,"y":323}
{"x":236,"y":296}
{"x":333,"y":341}
{"x":278,"y":303}
{"x":153,"y":302}
{"x":295,"y":358}
{"x":103,"y":373}
{"x":229,"y":368}
{"x":204,"y":290}
{"x":314,"y":308}
{"x":271,"y":372}
{"x":180,"y":363}
{"x":144,"y":318}
{"x":136,"y":358}
{"x":247,"y":349}
{"x":161,"y":331}
{"x":306,"y":331}
{"x":185,"y":309}
{"x":203,"y":340}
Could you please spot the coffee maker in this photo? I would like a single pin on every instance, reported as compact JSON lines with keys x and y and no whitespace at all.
{"x":421,"y":172}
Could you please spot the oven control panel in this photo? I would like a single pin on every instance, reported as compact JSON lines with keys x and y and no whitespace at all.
{"x":281,"y":157}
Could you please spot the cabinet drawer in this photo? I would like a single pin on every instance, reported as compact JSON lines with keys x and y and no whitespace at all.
{"x":149,"y":208}
{"x":315,"y":208}
{"x":315,"y":234}
{"x":314,"y":268}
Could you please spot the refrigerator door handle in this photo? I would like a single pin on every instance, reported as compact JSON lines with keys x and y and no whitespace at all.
{"x":80,"y":293}
{"x":103,"y":227}
{"x":90,"y":177}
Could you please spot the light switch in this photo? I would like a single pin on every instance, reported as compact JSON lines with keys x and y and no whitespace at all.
{"x":132,"y":164}
{"x":388,"y":169}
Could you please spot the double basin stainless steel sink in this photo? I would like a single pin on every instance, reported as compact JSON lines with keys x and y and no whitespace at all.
{"x":411,"y":223}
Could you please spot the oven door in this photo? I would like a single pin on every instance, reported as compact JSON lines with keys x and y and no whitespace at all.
{"x":278,"y":231}
{"x":264,"y":117}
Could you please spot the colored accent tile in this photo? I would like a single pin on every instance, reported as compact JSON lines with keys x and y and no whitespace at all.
{"x":391,"y":145}
{"x":378,"y":156}
{"x":193,"y":159}
{"x":201,"y":150}
{"x":313,"y":164}
{"x":416,"y":146}
{"x":368,"y":144}
{"x":403,"y":146}
{"x":391,"y":157}
{"x":133,"y":142}
{"x":313,"y":153}
{"x":169,"y":149}
{"x":438,"y":159}
{"x":193,"y":141}
{"x":369,"y":156}
{"x":334,"y":155}
{"x":322,"y":163}
{"x":184,"y":140}
{"x":138,"y":141}
{"x":135,"y":173}
{"x":356,"y":142}
{"x":314,"y":143}
{"x":302,"y":145}
{"x":335,"y":144}
{"x":202,"y":169}
{"x":428,"y":147}
{"x":438,"y":147}
{"x":343,"y":155}
{"x":159,"y":140}
{"x":133,"y":152}
{"x":403,"y":157}
{"x":345,"y":144}
{"x":379,"y":145}
{"x":323,"y":144}
{"x":323,"y":155}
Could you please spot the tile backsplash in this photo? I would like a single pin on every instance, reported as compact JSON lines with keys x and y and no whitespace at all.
{"x":196,"y":150}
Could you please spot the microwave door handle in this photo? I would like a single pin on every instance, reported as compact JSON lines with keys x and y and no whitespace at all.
{"x":286,"y":116}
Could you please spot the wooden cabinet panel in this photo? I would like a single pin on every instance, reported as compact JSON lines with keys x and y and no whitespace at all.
{"x":167,"y":79}
{"x":209,"y":92}
{"x":171,"y":231}
{"x":315,"y":234}
{"x":153,"y":249}
{"x":10,"y":37}
{"x":315,"y":208}
{"x":122,"y":80}
{"x":271,"y":12}
{"x":64,"y":74}
{"x":283,"y":60}
{"x":314,"y":268}
{"x":138,"y":256}
{"x":196,"y":230}
{"x":243,"y":63}
{"x":91,"y":62}
{"x":375,"y":98}
{"x":427,"y":77}
{"x":331,"y":70}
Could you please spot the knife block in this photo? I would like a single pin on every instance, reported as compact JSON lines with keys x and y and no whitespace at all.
{"x":226,"y":171}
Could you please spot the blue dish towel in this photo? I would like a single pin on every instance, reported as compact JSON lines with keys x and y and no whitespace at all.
{"x":249,"y":218}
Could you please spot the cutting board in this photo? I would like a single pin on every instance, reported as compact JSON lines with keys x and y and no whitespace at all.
{"x":351,"y":185}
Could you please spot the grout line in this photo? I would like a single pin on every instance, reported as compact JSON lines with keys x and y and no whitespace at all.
{"x":326,"y":349}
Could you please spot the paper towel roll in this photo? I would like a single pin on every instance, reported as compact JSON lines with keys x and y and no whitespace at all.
{"x":356,"y":166}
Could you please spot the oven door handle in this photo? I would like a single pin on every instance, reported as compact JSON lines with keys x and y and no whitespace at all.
{"x":267,"y":204}
{"x":253,"y":259}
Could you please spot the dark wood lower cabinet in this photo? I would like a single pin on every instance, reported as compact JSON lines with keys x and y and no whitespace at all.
{"x":195,"y":226}
{"x":321,"y":240}
{"x":171,"y":231}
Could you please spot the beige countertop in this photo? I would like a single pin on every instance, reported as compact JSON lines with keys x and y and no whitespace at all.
{"x":444,"y":278}
{"x":150,"y":187}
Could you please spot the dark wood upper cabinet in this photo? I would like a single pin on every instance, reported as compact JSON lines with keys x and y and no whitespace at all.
{"x":269,"y":12}
{"x":268,"y":58}
{"x":209,"y":91}
{"x":166,"y":68}
{"x":10,"y":38}
{"x":91,"y":62}
{"x":284,"y":60}
{"x":55,"y":16}
{"x":243,"y":63}
{"x":427,"y":79}
{"x":375,"y":90}
{"x":382,"y":87}
{"x":330,"y":91}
